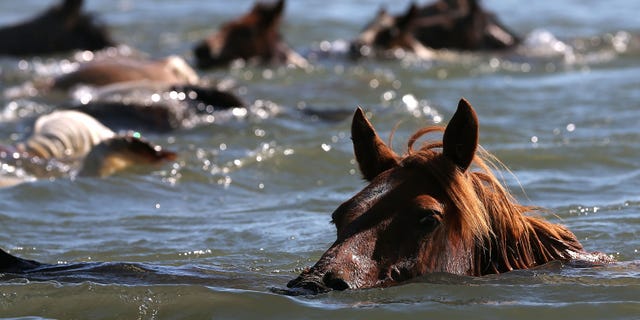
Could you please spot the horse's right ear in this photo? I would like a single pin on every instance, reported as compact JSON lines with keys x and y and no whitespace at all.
{"x":72,"y":6}
{"x":460,"y":139}
{"x":372,"y":154}
{"x":382,"y":11}
{"x":404,"y":22}
{"x":278,"y":8}
{"x":271,"y":14}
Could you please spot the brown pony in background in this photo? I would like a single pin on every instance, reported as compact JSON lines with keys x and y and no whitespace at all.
{"x":444,"y":24}
{"x":254,"y":37}
{"x":60,"y":29}
{"x":429,"y":212}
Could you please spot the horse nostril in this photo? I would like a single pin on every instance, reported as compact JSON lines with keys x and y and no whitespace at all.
{"x":202,"y":51}
{"x":334,"y":282}
{"x":354,"y":50}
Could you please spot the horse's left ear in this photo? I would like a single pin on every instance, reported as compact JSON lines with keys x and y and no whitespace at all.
{"x":372,"y":154}
{"x":460,"y":139}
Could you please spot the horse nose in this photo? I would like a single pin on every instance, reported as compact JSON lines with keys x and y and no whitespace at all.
{"x":202,"y":52}
{"x":354,"y":50}
{"x":334,"y":281}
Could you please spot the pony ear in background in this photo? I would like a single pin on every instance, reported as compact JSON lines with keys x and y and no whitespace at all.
{"x":382,"y":11}
{"x":72,"y":6}
{"x":270,"y":15}
{"x":372,"y":154}
{"x":405,"y":22}
{"x":460,"y":139}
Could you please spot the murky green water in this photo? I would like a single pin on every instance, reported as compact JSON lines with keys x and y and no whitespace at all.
{"x":247,"y":204}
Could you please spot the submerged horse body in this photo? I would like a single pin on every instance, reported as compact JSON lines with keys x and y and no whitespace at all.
{"x":444,"y":24}
{"x":254,"y":37}
{"x":439,"y":208}
{"x":143,"y":94}
{"x":158,"y":107}
{"x":61,"y":28}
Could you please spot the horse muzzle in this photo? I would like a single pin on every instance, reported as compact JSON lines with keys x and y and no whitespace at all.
{"x":307,"y":284}
{"x":358,"y":50}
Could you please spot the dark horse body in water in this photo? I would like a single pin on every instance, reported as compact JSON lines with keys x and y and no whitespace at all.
{"x":421,"y":213}
{"x":60,"y":29}
{"x":444,"y":24}
{"x":254,"y":37}
{"x":157,"y":107}
{"x":429,"y":212}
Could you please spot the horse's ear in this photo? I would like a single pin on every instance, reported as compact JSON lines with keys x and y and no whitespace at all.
{"x":271,"y":15}
{"x":407,"y":19}
{"x":460,"y":139}
{"x":382,"y":11}
{"x":72,"y":6}
{"x":372,"y":154}
{"x":278,"y":8}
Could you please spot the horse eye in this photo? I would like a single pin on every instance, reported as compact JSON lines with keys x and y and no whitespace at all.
{"x":428,"y":217}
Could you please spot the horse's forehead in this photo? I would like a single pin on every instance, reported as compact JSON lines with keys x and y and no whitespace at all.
{"x":377,"y":189}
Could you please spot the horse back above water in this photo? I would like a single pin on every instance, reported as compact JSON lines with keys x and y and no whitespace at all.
{"x":439,"y":208}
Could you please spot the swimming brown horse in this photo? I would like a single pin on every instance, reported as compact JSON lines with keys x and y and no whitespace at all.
{"x":254,"y":37}
{"x":439,"y":208}
{"x":444,"y":24}
{"x":60,"y":29}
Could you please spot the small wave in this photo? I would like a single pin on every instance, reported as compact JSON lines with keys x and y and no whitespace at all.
{"x":542,"y":43}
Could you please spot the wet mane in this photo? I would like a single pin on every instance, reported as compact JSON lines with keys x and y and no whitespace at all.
{"x":483,"y":226}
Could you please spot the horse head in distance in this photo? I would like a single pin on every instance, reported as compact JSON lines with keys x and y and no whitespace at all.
{"x":62,"y":28}
{"x":439,"y":208}
{"x":254,"y":37}
{"x":444,"y":24}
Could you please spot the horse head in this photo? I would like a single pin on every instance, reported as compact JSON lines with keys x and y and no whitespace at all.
{"x":387,"y":34}
{"x":121,"y":152}
{"x":255,"y":35}
{"x":69,"y":136}
{"x":61,"y":28}
{"x":444,"y":24}
{"x":436,"y":209}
